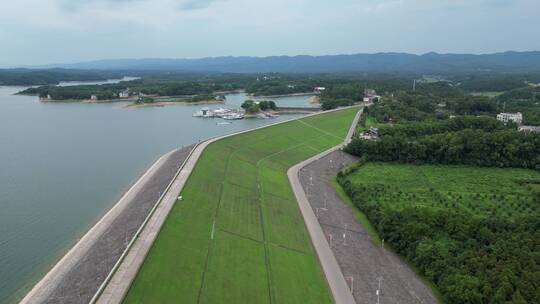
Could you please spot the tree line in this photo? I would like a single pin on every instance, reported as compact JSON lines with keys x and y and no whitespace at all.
{"x":504,"y":148}
{"x":471,"y":259}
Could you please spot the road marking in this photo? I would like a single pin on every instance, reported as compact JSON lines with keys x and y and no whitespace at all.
{"x":320,"y":130}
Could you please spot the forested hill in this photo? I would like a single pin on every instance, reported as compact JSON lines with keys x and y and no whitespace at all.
{"x":52,"y":76}
{"x":380,"y":62}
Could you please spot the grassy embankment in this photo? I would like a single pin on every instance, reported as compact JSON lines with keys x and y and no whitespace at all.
{"x":238,"y":235}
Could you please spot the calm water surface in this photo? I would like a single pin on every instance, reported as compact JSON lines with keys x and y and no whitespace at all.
{"x":63,"y":165}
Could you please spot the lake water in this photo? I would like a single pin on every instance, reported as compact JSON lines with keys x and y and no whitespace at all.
{"x":63,"y":165}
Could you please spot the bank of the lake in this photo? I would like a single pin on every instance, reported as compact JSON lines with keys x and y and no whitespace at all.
{"x":172,"y":103}
{"x":62,"y":165}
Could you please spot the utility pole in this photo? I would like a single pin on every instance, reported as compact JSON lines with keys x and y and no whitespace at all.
{"x":350,"y":280}
{"x":379,"y":290}
{"x":330,"y":238}
{"x":414,"y":85}
{"x":345,"y":235}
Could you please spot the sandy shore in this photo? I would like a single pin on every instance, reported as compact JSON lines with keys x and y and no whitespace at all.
{"x":314,"y":100}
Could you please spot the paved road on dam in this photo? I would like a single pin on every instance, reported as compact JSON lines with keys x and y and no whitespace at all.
{"x":358,"y":257}
{"x":77,"y":277}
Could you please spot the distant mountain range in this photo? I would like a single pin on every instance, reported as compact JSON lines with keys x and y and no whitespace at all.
{"x":380,"y":62}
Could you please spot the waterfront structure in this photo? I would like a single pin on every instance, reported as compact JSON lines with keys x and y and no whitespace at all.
{"x":93,"y":97}
{"x":318,"y":89}
{"x":513,"y":117}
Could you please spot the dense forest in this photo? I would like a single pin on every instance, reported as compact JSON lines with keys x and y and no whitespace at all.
{"x":434,"y":96}
{"x":24,"y":77}
{"x":280,"y":85}
{"x":525,"y":100}
{"x":416,"y":127}
{"x":146,"y":86}
{"x":470,"y":256}
{"x":470,"y":140}
{"x":339,"y":86}
{"x":503,"y":148}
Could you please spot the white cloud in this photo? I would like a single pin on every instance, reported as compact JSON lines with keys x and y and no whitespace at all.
{"x":43,"y":31}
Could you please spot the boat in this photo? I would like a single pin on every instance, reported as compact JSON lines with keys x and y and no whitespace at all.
{"x":266,"y":115}
{"x":220,"y":112}
{"x":233,"y":116}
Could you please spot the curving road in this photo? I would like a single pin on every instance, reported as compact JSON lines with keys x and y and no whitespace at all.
{"x":357,"y":270}
{"x":357,"y":255}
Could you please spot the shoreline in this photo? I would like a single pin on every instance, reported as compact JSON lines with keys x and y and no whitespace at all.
{"x":86,"y":262}
{"x":314,"y":100}
{"x":171,"y":103}
{"x":283,"y":95}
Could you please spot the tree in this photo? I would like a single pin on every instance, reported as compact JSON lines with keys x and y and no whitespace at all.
{"x":462,"y":289}
{"x":250,"y":106}
{"x":267,"y":104}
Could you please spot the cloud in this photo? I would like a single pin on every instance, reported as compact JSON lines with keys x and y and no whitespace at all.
{"x":195,"y":4}
{"x":74,"y":5}
{"x":45,"y":31}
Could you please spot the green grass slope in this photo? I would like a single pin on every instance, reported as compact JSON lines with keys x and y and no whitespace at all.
{"x":238,"y":235}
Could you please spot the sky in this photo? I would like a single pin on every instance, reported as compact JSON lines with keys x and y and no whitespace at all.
{"x":65,"y":31}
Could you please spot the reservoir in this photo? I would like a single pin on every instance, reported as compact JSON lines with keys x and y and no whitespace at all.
{"x":63,"y":165}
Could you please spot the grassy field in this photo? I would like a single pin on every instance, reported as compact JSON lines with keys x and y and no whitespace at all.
{"x":487,"y":94}
{"x":238,"y":235}
{"x":482,"y":191}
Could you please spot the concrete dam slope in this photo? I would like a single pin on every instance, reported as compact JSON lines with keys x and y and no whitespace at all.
{"x":80,"y":273}
{"x":362,"y":262}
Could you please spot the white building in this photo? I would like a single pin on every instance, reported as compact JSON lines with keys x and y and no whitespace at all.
{"x":371,"y":133}
{"x":124,"y":94}
{"x":93,"y":97}
{"x":370,"y":95}
{"x":319,"y":89}
{"x":514,"y":117}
